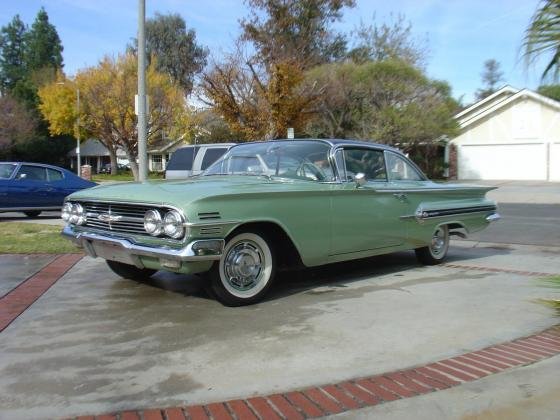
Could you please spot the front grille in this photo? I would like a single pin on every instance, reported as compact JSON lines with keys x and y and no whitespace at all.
{"x":116,"y":217}
{"x":212,"y":230}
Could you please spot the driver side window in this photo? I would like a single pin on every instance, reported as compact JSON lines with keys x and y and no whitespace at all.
{"x":367,"y":161}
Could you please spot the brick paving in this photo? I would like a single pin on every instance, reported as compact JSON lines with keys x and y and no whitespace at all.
{"x":14,"y":303}
{"x":358,"y":393}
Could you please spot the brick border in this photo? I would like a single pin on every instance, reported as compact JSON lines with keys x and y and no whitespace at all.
{"x":16,"y":301}
{"x":358,"y":393}
{"x":498,"y":270}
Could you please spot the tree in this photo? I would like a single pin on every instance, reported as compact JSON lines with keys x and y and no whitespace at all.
{"x":175,"y":48}
{"x":393,"y":41}
{"x":550,"y":91}
{"x":43,"y":46}
{"x":16,"y":123}
{"x":12,"y":54}
{"x":107,"y":105}
{"x":284,"y":29}
{"x":491,"y":77}
{"x":390,"y":102}
{"x":542,"y":37}
{"x":261,"y":95}
{"x":257,"y":104}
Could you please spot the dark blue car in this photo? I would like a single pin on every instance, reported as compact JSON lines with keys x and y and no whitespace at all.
{"x":34,"y":187}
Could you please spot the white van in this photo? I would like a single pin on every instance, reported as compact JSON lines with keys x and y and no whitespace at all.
{"x":192,"y":160}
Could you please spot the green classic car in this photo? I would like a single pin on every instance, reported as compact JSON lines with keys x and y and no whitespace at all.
{"x":270,"y":205}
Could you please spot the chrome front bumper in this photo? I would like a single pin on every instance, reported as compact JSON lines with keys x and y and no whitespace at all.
{"x":122,"y":250}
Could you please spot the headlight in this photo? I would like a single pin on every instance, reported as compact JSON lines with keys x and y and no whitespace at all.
{"x":66,"y":210}
{"x":173,"y":224}
{"x":77,"y":215}
{"x":153,"y":222}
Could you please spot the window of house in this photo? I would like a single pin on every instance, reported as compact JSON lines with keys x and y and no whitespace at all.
{"x":157,"y":163}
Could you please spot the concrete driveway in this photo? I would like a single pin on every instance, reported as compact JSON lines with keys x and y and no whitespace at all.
{"x":95,"y":343}
{"x":79,"y":340}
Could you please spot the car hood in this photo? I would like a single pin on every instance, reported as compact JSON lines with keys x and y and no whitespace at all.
{"x":181,"y":193}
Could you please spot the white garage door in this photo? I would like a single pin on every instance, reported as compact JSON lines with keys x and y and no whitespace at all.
{"x":503,"y":161}
{"x":554,"y":166}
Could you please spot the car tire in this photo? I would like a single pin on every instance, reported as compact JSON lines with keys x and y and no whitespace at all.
{"x":245,"y":272}
{"x":32,"y":213}
{"x":130,"y":272}
{"x":436,"y":252}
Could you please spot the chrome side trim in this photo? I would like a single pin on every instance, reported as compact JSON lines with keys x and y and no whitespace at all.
{"x":20,"y":209}
{"x":494,"y":217}
{"x":428,"y":189}
{"x":200,"y":250}
{"x":422,"y":214}
{"x":210,"y":223}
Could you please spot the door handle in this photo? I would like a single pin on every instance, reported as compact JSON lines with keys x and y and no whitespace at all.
{"x":400,"y":196}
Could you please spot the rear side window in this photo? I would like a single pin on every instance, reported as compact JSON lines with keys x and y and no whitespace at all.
{"x":182,"y":159}
{"x":211,"y":156}
{"x":54,"y":175}
{"x":400,"y":169}
{"x":33,"y":173}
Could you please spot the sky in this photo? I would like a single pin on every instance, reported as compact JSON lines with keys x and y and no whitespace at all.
{"x":461,"y":34}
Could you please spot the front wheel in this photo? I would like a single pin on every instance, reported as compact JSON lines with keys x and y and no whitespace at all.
{"x":130,"y":272}
{"x":245,"y":272}
{"x":436,"y":252}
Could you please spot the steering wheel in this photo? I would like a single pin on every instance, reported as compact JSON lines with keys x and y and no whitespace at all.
{"x":309,"y":170}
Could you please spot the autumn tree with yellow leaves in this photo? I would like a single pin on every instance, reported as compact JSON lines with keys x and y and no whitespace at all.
{"x":107,"y":106}
{"x":262,"y":95}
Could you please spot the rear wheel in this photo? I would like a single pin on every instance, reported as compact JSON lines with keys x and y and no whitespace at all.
{"x":436,"y":252}
{"x":245,"y":272}
{"x":130,"y":272}
{"x":32,"y":213}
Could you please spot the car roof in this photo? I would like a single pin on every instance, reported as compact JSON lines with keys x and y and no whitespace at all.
{"x":337,"y":142}
{"x":45,"y":165}
{"x":208,"y":145}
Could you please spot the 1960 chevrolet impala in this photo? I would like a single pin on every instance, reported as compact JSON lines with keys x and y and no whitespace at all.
{"x":270,"y":205}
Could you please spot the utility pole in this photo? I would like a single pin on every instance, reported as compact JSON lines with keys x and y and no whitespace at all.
{"x":142,"y":126}
{"x":78,"y":157}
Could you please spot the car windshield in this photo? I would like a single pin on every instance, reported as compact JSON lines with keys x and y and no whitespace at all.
{"x":7,"y":170}
{"x":300,"y":159}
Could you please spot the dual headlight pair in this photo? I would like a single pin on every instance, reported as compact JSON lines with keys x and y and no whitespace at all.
{"x":171,"y":224}
{"x":73,"y":213}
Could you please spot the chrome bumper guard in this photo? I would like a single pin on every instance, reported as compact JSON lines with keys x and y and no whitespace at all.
{"x":98,"y":245}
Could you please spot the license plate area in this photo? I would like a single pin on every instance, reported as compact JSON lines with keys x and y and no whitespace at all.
{"x":111,"y":251}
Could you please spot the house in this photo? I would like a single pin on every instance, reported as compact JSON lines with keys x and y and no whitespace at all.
{"x":94,"y":153}
{"x":159,"y":153}
{"x":512,"y":134}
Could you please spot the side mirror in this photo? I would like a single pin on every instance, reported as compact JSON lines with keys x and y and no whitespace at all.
{"x":360,"y":179}
{"x":22,"y":176}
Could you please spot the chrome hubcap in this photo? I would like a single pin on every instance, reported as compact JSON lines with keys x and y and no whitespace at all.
{"x":438,"y":242}
{"x":243,"y":265}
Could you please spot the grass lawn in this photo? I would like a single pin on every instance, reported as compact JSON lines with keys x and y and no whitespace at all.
{"x":123,"y":176}
{"x":555,"y":283}
{"x":23,"y":238}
